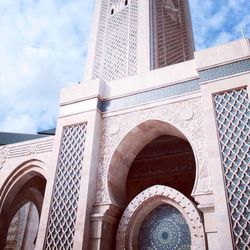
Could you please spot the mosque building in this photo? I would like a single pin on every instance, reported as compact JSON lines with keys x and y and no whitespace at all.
{"x":151,"y":150}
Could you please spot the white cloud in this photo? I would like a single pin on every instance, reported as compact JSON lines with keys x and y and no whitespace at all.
{"x":222,"y":38}
{"x":22,"y":123}
{"x":216,"y":22}
{"x":43,"y":48}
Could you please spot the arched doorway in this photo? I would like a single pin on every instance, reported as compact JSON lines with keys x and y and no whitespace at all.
{"x":153,"y":153}
{"x":21,"y":201}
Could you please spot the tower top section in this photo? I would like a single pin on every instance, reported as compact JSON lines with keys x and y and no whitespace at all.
{"x":134,"y":36}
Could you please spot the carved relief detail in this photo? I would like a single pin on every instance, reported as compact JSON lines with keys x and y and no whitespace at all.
{"x":163,"y":195}
{"x":4,"y":153}
{"x":172,"y":113}
{"x":25,"y":149}
{"x":33,"y":149}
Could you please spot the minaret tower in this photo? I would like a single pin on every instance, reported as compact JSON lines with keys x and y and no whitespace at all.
{"x":131,"y":36}
{"x":84,"y":198}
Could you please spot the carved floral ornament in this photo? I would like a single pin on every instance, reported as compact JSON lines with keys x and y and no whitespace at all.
{"x":147,"y":201}
{"x":186,"y":116}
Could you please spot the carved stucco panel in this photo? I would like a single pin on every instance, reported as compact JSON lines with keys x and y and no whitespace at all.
{"x":187,"y":116}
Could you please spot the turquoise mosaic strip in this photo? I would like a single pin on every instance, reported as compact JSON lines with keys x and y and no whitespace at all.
{"x":175,"y":89}
{"x":225,"y":70}
{"x":148,"y":96}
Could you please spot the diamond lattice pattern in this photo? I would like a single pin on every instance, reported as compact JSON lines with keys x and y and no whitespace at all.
{"x":117,"y":42}
{"x":61,"y":226}
{"x":172,"y":33}
{"x":232,"y":113}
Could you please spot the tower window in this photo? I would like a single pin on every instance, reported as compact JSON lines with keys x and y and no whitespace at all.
{"x":126,"y":2}
{"x":112,"y":11}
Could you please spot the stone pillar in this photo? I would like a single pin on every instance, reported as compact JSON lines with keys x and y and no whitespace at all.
{"x":104,"y":224}
{"x":221,"y":219}
{"x":206,"y":206}
{"x":31,"y":227}
{"x":70,"y":191}
{"x":219,"y":72}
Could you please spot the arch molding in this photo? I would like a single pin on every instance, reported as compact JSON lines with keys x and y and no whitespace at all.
{"x":146,"y":202}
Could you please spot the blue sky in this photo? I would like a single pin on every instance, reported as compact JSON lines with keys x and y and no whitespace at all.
{"x":43,"y":47}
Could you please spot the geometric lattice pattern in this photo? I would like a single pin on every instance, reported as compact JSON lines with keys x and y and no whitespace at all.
{"x":116,"y":47}
{"x":115,"y":62}
{"x":63,"y":210}
{"x":233,"y":121}
{"x":172,"y":34}
{"x":164,"y":228}
{"x":117,"y":40}
{"x":100,"y":39}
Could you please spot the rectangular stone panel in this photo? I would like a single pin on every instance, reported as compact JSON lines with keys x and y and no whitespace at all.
{"x":64,"y":204}
{"x":233,"y":122}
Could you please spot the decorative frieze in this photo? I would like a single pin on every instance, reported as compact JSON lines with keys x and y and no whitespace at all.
{"x":25,"y":149}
